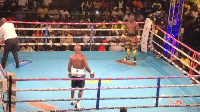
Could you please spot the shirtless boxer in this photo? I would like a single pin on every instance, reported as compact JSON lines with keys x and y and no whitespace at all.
{"x":132,"y":33}
{"x":79,"y":63}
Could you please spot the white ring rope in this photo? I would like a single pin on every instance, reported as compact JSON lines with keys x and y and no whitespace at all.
{"x":175,"y":55}
{"x":105,"y":88}
{"x":175,"y":48}
{"x":67,"y":29}
{"x":23,"y":37}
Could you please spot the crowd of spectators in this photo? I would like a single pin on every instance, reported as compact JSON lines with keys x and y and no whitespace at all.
{"x":96,"y":11}
{"x":92,"y":11}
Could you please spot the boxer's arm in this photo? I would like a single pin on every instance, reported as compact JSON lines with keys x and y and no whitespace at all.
{"x":88,"y":68}
{"x":138,"y":28}
{"x":125,"y":29}
{"x":86,"y":65}
{"x":69,"y":67}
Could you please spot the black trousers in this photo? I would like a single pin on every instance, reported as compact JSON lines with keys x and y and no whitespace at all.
{"x":10,"y":45}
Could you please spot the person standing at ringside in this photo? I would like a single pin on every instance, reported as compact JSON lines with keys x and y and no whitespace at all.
{"x":11,"y":42}
{"x":80,"y":65}
{"x":131,"y":36}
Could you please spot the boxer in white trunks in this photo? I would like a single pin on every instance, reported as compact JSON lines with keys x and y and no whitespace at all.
{"x":79,"y":63}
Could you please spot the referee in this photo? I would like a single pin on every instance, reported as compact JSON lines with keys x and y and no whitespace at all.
{"x":11,"y":42}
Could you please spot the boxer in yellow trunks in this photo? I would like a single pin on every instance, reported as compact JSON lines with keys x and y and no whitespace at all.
{"x":132,"y":36}
{"x":79,"y":63}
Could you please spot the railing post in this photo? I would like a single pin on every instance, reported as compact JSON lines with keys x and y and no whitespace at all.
{"x":91,"y":32}
{"x":98,"y":94}
{"x":9,"y":93}
{"x":158,"y":91}
{"x":46,"y":32}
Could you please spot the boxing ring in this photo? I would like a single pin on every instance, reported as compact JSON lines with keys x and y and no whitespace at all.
{"x":153,"y":85}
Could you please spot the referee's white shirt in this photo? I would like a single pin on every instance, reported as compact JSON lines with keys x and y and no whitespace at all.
{"x":8,"y":30}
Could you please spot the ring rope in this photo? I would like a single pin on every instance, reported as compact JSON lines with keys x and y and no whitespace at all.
{"x":174,"y":47}
{"x":105,"y":88}
{"x":3,"y":72}
{"x":189,"y":66}
{"x":69,"y":37}
{"x":120,"y":78}
{"x":128,"y":107}
{"x":175,"y":39}
{"x":177,"y":58}
{"x":59,"y":44}
{"x":67,"y":23}
{"x":104,"y":98}
{"x":179,"y":68}
{"x":66,"y":29}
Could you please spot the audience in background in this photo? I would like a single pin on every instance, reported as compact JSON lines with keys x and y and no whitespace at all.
{"x":96,"y":11}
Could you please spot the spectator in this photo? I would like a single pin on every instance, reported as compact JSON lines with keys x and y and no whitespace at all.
{"x":121,"y":4}
{"x":107,"y":13}
{"x":31,"y":13}
{"x":53,"y":11}
{"x":85,"y":11}
{"x":147,"y":8}
{"x":37,"y":39}
{"x":161,"y":22}
{"x":42,"y":11}
{"x":137,"y":5}
{"x":86,"y":4}
{"x":116,"y":12}
{"x":112,"y":4}
{"x":96,"y":4}
{"x":13,"y":6}
{"x":129,"y":5}
{"x":23,"y":3}
{"x":139,"y":16}
{"x":65,"y":38}
{"x":195,"y":12}
{"x":156,"y":6}
{"x":47,"y":2}
{"x":187,"y":5}
{"x":116,"y":47}
{"x":76,"y":13}
{"x":20,"y":13}
{"x":64,"y":12}
{"x":102,"y":47}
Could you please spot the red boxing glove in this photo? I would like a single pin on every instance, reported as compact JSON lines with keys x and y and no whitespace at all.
{"x":91,"y":74}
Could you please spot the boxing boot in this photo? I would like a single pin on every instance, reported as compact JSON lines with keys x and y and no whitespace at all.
{"x":78,"y":105}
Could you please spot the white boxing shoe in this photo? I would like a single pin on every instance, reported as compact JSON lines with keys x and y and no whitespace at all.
{"x":72,"y":102}
{"x":78,"y":105}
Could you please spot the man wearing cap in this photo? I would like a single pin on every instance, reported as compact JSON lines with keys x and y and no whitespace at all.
{"x":11,"y":42}
{"x":116,"y":12}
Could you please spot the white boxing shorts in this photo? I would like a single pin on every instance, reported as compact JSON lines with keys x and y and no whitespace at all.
{"x":78,"y":72}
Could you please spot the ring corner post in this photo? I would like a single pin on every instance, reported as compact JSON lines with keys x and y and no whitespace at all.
{"x":11,"y":93}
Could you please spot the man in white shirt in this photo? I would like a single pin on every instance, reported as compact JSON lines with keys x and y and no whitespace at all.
{"x":11,"y":42}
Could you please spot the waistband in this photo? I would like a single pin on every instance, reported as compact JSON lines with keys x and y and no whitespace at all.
{"x":131,"y":34}
{"x":78,"y":72}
